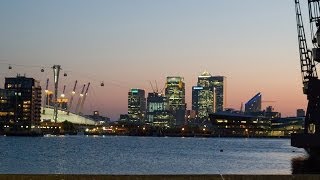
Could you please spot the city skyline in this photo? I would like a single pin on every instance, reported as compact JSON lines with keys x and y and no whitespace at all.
{"x":126,"y":44}
{"x":189,"y":106}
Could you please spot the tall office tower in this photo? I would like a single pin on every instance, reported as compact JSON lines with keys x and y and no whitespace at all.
{"x":28,"y":102}
{"x":136,"y":105}
{"x":210,"y":95}
{"x":254,"y":104}
{"x":219,"y":84}
{"x":175,"y":93}
{"x":195,"y":98}
{"x":7,"y":108}
{"x":204,"y":96}
{"x":203,"y":101}
{"x":157,"y":110}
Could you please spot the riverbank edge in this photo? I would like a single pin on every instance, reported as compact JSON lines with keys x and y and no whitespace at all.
{"x":154,"y":177}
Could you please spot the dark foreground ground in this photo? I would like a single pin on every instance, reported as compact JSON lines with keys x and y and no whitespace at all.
{"x":156,"y":177}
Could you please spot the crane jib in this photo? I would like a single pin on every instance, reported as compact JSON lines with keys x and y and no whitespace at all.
{"x":308,"y":68}
{"x":311,"y":84}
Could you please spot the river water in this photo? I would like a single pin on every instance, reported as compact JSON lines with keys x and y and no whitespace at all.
{"x":145,"y":155}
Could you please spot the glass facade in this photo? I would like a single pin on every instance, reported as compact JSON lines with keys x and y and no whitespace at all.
{"x":254,"y":104}
{"x":157,"y":110}
{"x":175,"y":94}
{"x":202,"y":101}
{"x":219,"y":85}
{"x":136,"y":105}
{"x":209,"y":95}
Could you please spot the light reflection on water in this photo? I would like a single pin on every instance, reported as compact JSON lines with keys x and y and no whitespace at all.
{"x":146,"y":155}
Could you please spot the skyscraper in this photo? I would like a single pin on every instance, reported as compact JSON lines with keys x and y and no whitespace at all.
{"x":203,"y":96}
{"x":203,"y":101}
{"x":136,"y":105}
{"x":195,"y":97}
{"x":175,"y":93}
{"x":220,"y":87}
{"x":254,"y":104}
{"x":28,"y":102}
{"x":209,"y":95}
{"x":157,"y":110}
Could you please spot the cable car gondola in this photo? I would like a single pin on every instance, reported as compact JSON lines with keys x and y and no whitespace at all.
{"x":65,"y":74}
{"x":102,"y":84}
{"x":42,"y":70}
{"x":10,"y":67}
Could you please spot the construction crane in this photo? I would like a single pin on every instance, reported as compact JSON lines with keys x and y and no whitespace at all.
{"x":153,"y":90}
{"x":311,"y":84}
{"x":84,"y":98}
{"x":156,"y":89}
{"x":156,"y":86}
{"x":72,"y":95}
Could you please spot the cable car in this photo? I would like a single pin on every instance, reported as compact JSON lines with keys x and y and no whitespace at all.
{"x":10,"y":67}
{"x":65,"y":74}
{"x":42,"y":70}
{"x":102,"y":84}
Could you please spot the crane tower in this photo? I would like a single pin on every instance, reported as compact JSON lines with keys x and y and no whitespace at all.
{"x":310,"y":139}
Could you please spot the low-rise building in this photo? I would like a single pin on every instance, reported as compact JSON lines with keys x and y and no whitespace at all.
{"x":286,"y":126}
{"x":232,"y":124}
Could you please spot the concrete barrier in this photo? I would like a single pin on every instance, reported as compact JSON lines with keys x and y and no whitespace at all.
{"x":153,"y":177}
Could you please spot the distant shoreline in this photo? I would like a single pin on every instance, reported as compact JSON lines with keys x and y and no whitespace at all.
{"x":197,"y":136}
{"x":169,"y":135}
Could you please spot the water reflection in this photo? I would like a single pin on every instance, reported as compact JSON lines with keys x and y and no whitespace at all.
{"x":305,"y":165}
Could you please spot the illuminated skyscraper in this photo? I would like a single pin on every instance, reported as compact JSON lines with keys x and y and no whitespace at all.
{"x":203,"y":102}
{"x":209,"y":96}
{"x":175,"y":93}
{"x":254,"y":104}
{"x":157,"y":110}
{"x":136,"y":105}
{"x":28,"y":102}
{"x":195,"y":98}
{"x":203,"y":96}
{"x":220,"y":87}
